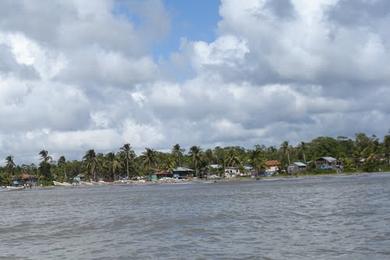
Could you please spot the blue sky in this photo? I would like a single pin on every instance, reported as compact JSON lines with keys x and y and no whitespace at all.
{"x":193,"y":20}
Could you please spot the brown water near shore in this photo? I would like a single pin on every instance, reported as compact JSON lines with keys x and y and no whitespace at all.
{"x":321,"y":217}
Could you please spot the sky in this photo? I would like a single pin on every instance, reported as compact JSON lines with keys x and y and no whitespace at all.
{"x":77,"y":75}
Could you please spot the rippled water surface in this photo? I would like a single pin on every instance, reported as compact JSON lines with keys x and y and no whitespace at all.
{"x":312,"y":218}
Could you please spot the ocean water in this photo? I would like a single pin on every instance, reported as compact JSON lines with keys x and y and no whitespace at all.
{"x":311,"y":218}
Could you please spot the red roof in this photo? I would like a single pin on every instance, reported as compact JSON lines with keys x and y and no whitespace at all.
{"x":26,"y":176}
{"x":271,"y":163}
{"x":163,"y":173}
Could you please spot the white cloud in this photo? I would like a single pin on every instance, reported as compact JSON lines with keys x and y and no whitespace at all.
{"x":85,"y":76}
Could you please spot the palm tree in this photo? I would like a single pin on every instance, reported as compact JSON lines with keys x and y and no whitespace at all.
{"x":303,"y":150}
{"x":257,"y":159}
{"x":10,"y":164}
{"x":61,"y":164}
{"x":45,"y":156}
{"x":285,"y":151}
{"x":177,"y":153}
{"x":91,"y":161}
{"x":195,"y":153}
{"x":168,"y":163}
{"x":113,"y":164}
{"x":149,"y":159}
{"x":209,"y":156}
{"x":129,"y":156}
{"x":45,"y":167}
{"x":233,"y":160}
{"x":61,"y":161}
{"x":386,"y":144}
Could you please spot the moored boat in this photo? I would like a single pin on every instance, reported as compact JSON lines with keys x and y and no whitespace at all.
{"x":14,"y":188}
{"x":63,"y":184}
{"x":86,"y":183}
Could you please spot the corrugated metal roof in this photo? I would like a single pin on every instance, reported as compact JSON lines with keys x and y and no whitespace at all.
{"x":271,"y":163}
{"x":183,"y":169}
{"x":215,"y":166}
{"x":300,"y":164}
{"x":329,"y":159}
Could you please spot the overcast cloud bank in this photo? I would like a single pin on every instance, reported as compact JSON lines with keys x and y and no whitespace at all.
{"x":76,"y":75}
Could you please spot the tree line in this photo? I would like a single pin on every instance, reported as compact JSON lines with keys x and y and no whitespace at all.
{"x":361,"y":153}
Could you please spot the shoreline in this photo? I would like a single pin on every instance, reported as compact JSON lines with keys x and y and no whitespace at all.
{"x":205,"y":181}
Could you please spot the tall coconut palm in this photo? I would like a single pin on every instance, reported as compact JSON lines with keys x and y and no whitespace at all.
{"x":220,"y":155}
{"x":10,"y":164}
{"x":168,"y":163}
{"x":386,"y":146}
{"x":91,"y":162}
{"x":257,"y":159}
{"x":129,"y":156}
{"x":195,"y":154}
{"x":149,"y":159}
{"x":45,"y":167}
{"x":209,"y":156}
{"x":303,"y":150}
{"x":113,"y":164}
{"x":286,"y":151}
{"x":45,"y":156}
{"x":62,"y":164}
{"x":177,"y":154}
{"x":233,"y":160}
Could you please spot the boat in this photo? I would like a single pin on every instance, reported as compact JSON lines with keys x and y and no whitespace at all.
{"x":14,"y":188}
{"x":86,"y":183}
{"x":63,"y":184}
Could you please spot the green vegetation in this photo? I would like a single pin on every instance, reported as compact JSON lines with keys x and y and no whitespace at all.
{"x":363,"y":153}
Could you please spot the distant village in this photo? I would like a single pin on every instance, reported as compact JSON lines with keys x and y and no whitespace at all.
{"x":323,"y":155}
{"x":272,"y":168}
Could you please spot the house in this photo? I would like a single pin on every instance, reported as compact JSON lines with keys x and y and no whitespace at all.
{"x":182,"y":173}
{"x":231,"y":172}
{"x":272,"y":167}
{"x":214,"y":170}
{"x":248,"y":171}
{"x":248,"y":168}
{"x":25,"y":180}
{"x":215,"y":166}
{"x":164,"y":174}
{"x":296,"y":167}
{"x":78,"y":178}
{"x":327,"y":163}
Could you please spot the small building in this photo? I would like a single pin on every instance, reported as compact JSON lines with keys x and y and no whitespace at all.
{"x":272,"y":167}
{"x":215,"y":166}
{"x":182,"y":173}
{"x":214,"y":170}
{"x":327,"y":163}
{"x":248,"y":171}
{"x":164,"y":174}
{"x":231,"y":172}
{"x":78,"y":178}
{"x":296,"y":167}
{"x":248,"y":168}
{"x":25,"y":180}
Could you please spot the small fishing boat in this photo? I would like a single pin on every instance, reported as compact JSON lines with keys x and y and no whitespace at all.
{"x":86,"y":183}
{"x":63,"y":184}
{"x":13,"y":188}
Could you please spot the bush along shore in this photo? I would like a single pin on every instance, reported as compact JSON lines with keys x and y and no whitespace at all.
{"x":322,"y":155}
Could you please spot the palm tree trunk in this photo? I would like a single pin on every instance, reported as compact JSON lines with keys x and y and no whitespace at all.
{"x":288,"y":157}
{"x":127,"y":166}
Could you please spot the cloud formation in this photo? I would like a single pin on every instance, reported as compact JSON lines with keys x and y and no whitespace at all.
{"x":85,"y":75}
